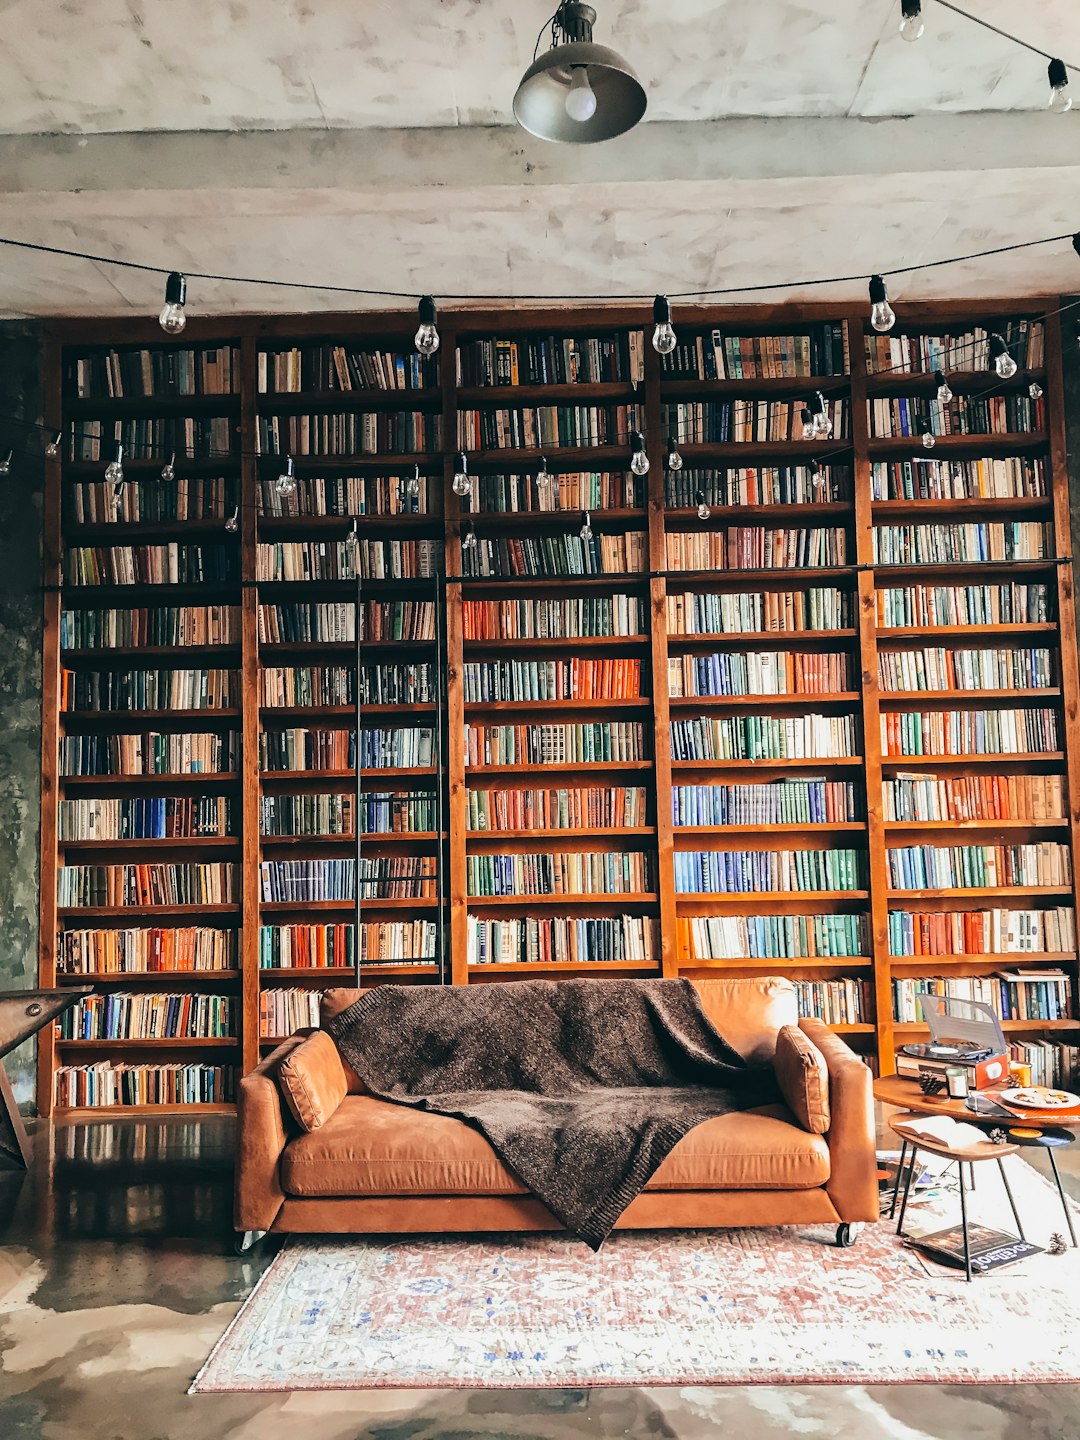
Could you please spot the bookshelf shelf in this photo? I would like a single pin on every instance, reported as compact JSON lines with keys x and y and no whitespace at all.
{"x":85,"y":1113}
{"x":906,"y":1027}
{"x":634,"y":584}
{"x":225,"y":1042}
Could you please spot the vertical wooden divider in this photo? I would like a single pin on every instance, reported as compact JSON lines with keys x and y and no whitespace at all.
{"x":657,"y":561}
{"x":1066,"y":600}
{"x":455,"y":693}
{"x":866,"y":620}
{"x":249,"y":739}
{"x":50,"y":717}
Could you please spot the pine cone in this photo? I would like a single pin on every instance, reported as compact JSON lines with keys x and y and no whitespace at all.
{"x":930,"y":1084}
{"x":997,"y":1136}
{"x":1057,"y":1244}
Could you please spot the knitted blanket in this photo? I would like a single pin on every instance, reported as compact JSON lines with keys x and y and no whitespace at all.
{"x":581,"y":1087}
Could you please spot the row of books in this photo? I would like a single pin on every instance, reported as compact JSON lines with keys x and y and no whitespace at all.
{"x":909,"y":798}
{"x":690,"y":613}
{"x":350,"y":432}
{"x":967,"y":349}
{"x":386,"y":877}
{"x":768,"y":672}
{"x":1040,"y":995}
{"x":771,"y":937}
{"x":346,"y":495}
{"x":100,"y":502}
{"x":836,"y":1002}
{"x":123,"y":1016}
{"x":923,"y":605}
{"x":558,"y":939}
{"x":604,"y":741}
{"x":284,"y":1011}
{"x":95,"y":690}
{"x":552,"y":360}
{"x":157,"y":884}
{"x":180,"y":625}
{"x":555,"y":555}
{"x":747,"y":872}
{"x":969,"y":543}
{"x":1053,"y":1065}
{"x":108,"y":1084}
{"x":303,"y":749}
{"x":781,"y":802}
{"x":209,"y":438}
{"x":409,"y":812}
{"x":339,"y":367}
{"x":532,"y":427}
{"x":167,"y":564}
{"x":299,"y":685}
{"x":144,"y":950}
{"x":754,"y":547}
{"x":1004,"y":478}
{"x":335,"y":622}
{"x":949,"y":669}
{"x":150,"y":753}
{"x":716,"y":355}
{"x":547,"y":493}
{"x":758,"y":485}
{"x":727,"y":422}
{"x":571,"y":808}
{"x":576,"y":679}
{"x":574,"y":617}
{"x":344,"y":559}
{"x":969,"y":732}
{"x":579,"y":872}
{"x":763,"y":737}
{"x":920,"y":867}
{"x":151,"y":817}
{"x":980,"y":932}
{"x":321,"y":947}
{"x":137,"y":374}
{"x":964,"y":415}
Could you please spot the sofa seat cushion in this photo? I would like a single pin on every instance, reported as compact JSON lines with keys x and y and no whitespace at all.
{"x":369,"y":1147}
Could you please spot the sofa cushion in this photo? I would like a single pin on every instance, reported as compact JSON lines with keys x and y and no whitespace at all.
{"x":313,"y":1081}
{"x":335,"y":999}
{"x":370,"y":1147}
{"x":803,"y":1078}
{"x":750,"y":1013}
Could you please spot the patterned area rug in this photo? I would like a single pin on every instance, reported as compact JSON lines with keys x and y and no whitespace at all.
{"x":659,"y":1308}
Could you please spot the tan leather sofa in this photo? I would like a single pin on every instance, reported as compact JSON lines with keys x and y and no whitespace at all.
{"x":376,"y":1168}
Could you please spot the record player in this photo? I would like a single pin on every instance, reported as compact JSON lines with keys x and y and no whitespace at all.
{"x":962,"y":1032}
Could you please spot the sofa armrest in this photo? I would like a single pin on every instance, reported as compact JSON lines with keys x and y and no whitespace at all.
{"x":263,"y":1125}
{"x":853,"y":1184}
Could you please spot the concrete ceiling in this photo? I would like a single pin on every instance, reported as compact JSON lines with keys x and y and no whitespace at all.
{"x":370,"y":142}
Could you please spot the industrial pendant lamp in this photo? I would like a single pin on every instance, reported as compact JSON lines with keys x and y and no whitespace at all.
{"x":578,"y":92}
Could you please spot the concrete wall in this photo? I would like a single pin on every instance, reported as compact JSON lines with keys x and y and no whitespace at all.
{"x":20,"y":671}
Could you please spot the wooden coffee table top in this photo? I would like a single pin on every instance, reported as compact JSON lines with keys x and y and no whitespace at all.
{"x":900,"y":1091}
{"x":976,"y":1150}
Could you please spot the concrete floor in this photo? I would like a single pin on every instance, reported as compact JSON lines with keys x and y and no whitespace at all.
{"x":117,"y":1275}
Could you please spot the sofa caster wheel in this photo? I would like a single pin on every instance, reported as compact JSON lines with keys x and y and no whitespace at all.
{"x":243,"y":1242}
{"x":847,"y":1233}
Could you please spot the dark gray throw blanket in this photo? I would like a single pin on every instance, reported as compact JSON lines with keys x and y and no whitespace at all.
{"x":582,"y":1087}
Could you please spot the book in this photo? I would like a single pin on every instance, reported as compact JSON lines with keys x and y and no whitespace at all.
{"x":989,"y":1249}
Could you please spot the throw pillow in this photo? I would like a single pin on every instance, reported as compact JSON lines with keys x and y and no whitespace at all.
{"x":803,"y":1078}
{"x":313,"y":1081}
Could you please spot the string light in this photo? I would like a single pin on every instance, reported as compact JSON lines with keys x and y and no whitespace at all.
{"x":286,"y":481}
{"x":944,"y":394}
{"x":1060,"y":98}
{"x":586,"y":530}
{"x":168,"y":471}
{"x":703,"y":511}
{"x":461,"y":484}
{"x":1035,"y":390}
{"x":821,"y":423}
{"x":926,"y":430}
{"x":172,"y":318}
{"x":674,"y":459}
{"x":1000,"y":359}
{"x":5,"y":464}
{"x":469,"y":541}
{"x":543,"y":479}
{"x":232,"y":524}
{"x":639,"y":461}
{"x":52,"y":449}
{"x":663,"y":336}
{"x":809,"y":429}
{"x":427,"y":336}
{"x":882,"y":317}
{"x":352,"y":542}
{"x":114,"y":471}
{"x":911,"y":21}
{"x":413,"y":486}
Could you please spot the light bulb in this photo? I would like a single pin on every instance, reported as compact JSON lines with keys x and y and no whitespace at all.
{"x":929,"y":439}
{"x":1060,"y":99}
{"x":469,"y":542}
{"x":944,"y":394}
{"x":1035,"y":390}
{"x":580,"y":98}
{"x":586,"y":530}
{"x":822,"y":425}
{"x":114,"y":471}
{"x":1002,"y":362}
{"x":52,"y":449}
{"x":168,"y":471}
{"x":427,"y":337}
{"x":461,"y":485}
{"x":882,"y":317}
{"x":543,"y":479}
{"x":639,"y":461}
{"x":911,"y":21}
{"x":286,"y":481}
{"x":703,"y":511}
{"x":809,"y":429}
{"x":413,"y":486}
{"x":663,"y":336}
{"x":352,"y":548}
{"x":5,"y":463}
{"x":674,"y":459}
{"x":232,"y":524}
{"x":172,"y":318}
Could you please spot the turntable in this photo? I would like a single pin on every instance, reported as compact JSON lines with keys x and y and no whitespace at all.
{"x":962,"y":1032}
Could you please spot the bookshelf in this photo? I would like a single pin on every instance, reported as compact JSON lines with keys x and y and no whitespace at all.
{"x":827,"y":729}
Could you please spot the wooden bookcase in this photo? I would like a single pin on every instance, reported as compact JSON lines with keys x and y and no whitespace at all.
{"x":651,"y":520}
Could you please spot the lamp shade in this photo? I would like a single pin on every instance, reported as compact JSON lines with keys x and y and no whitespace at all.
{"x":540,"y":102}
